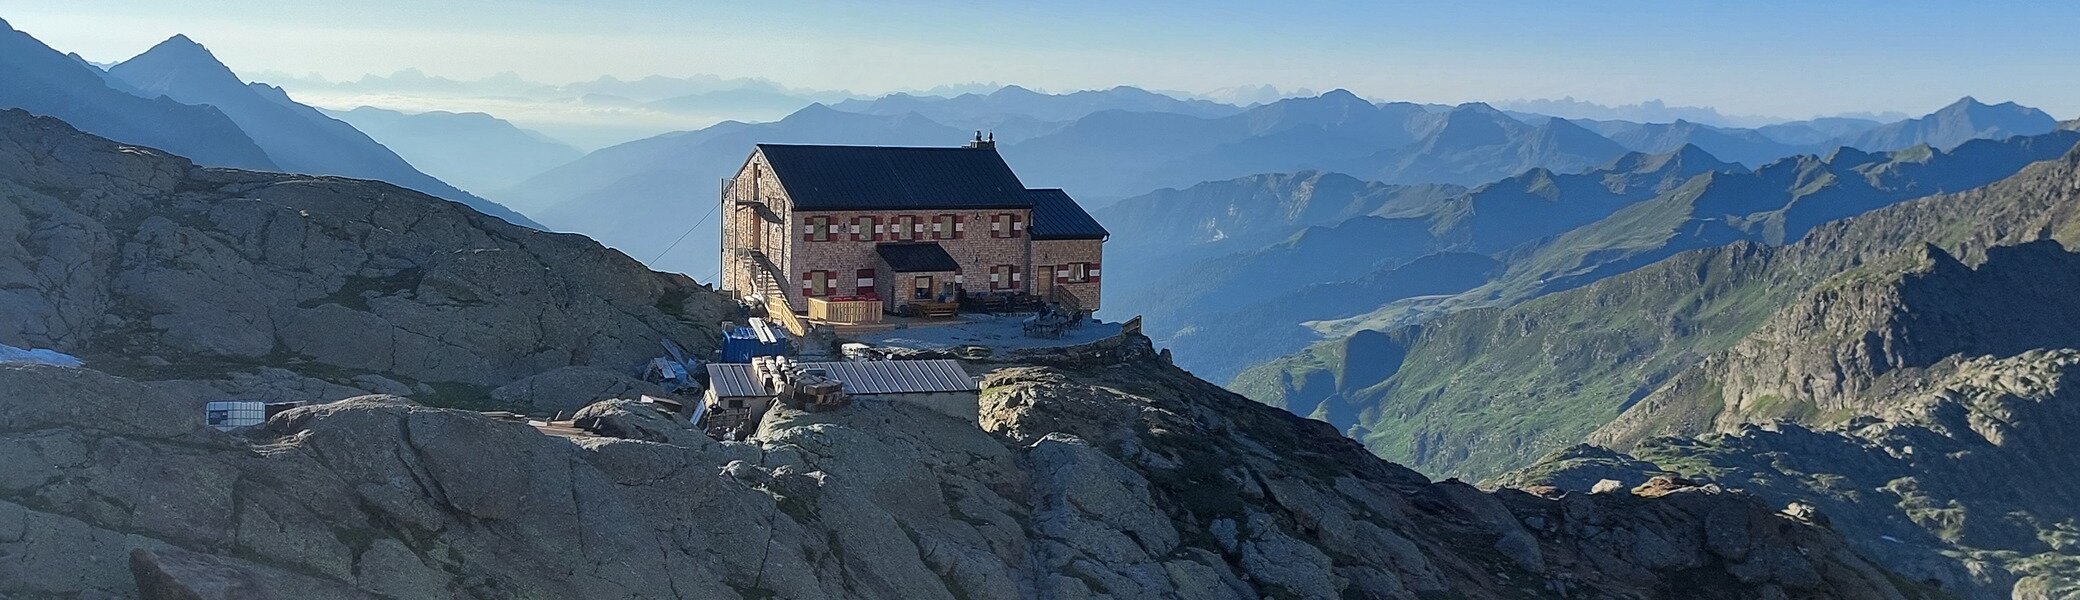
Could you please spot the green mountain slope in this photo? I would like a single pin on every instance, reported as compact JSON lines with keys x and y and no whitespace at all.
{"x":1775,"y":204}
{"x":1486,"y":390}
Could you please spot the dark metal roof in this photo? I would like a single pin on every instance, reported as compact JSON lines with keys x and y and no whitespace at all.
{"x":863,"y":377}
{"x":917,"y":257}
{"x":1056,"y":216}
{"x":884,"y":177}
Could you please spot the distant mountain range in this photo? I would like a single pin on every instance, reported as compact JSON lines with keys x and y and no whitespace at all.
{"x":298,"y":138}
{"x":1240,"y":297}
{"x":1016,"y":111}
{"x":1124,"y":142}
{"x":1966,"y":120}
{"x":473,"y":150}
{"x":1650,"y":111}
{"x":47,"y":82}
{"x":1648,"y":312}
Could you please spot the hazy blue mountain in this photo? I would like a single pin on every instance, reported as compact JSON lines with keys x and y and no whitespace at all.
{"x":1114,"y":154}
{"x":473,"y":150}
{"x":974,"y":110}
{"x":46,"y":82}
{"x":298,"y":138}
{"x":744,"y":100}
{"x":1816,"y":132}
{"x":1746,"y":146}
{"x":1475,"y":143}
{"x":640,"y":196}
{"x":1207,"y":259}
{"x":1165,"y":230}
{"x":1651,"y":111}
{"x":1967,"y":119}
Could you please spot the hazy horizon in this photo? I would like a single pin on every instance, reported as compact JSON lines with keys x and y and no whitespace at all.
{"x":1777,"y":60}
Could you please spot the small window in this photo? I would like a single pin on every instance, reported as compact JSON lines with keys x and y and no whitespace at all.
{"x":922,"y":288}
{"x":818,"y":229}
{"x":818,"y":283}
{"x":1004,"y":277}
{"x":1079,"y":272}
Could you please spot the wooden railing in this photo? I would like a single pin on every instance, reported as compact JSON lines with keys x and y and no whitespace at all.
{"x":1063,"y":298}
{"x":780,"y":313}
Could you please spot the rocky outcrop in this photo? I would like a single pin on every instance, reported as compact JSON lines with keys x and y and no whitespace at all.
{"x":1967,"y":477}
{"x":290,"y":286}
{"x":1858,"y":343}
{"x":1088,"y":478}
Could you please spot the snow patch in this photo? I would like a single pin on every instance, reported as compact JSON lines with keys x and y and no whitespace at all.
{"x":10,"y":355}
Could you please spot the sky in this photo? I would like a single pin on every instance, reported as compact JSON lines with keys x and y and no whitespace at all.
{"x":1752,"y":57}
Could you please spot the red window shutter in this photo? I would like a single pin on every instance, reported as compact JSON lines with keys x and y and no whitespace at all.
{"x":808,"y":229}
{"x":1061,"y":273}
{"x":809,"y":283}
{"x":873,"y":229}
{"x":1092,"y":273}
{"x":997,"y":226}
{"x":959,"y":226}
{"x":865,"y":283}
{"x":1016,"y":227}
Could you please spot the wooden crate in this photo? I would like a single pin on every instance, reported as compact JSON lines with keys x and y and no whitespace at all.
{"x":845,"y":311}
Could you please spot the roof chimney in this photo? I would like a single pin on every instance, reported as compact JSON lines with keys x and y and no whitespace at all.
{"x":982,"y":143}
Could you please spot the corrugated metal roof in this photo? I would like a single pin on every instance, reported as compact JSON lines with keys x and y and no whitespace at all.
{"x":1056,"y":216}
{"x":735,"y":379}
{"x":899,"y":376}
{"x":916,"y":257}
{"x":861,"y":378}
{"x":887,"y":177}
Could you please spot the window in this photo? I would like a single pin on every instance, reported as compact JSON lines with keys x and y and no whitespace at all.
{"x":1077,"y":272}
{"x":921,"y":288}
{"x":819,"y":283}
{"x":907,"y":228}
{"x":1004,"y":277}
{"x":1006,"y":225}
{"x":946,"y":227}
{"x":866,"y":229}
{"x":817,"y":229}
{"x":865,"y":287}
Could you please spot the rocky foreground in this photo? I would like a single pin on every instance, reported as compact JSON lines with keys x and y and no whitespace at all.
{"x":1119,"y":477}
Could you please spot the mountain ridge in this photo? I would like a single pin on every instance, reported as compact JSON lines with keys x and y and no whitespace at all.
{"x":298,"y":138}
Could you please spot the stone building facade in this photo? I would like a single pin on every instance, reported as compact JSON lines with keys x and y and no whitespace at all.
{"x":813,"y":222}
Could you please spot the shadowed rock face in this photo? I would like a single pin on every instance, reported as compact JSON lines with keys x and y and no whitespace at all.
{"x":285,"y":287}
{"x":1117,"y":477}
{"x":1967,"y":476}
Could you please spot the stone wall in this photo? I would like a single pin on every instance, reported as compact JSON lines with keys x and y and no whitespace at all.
{"x":1062,"y":252}
{"x":896,"y":288}
{"x":751,"y":227}
{"x":975,"y":251}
